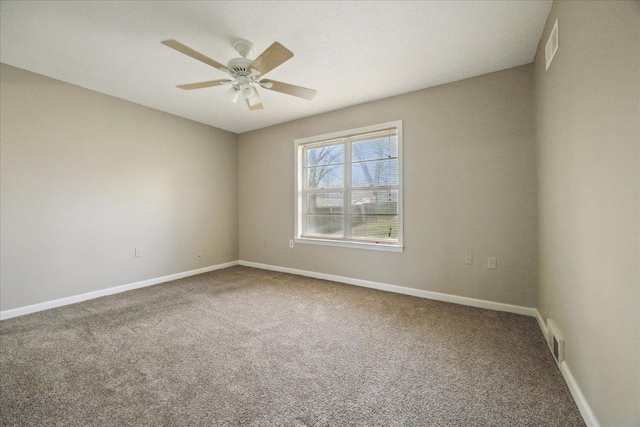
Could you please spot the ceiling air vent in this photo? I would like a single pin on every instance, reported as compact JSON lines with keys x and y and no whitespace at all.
{"x":552,"y":45}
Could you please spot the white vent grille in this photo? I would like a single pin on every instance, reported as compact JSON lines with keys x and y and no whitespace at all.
{"x":552,"y":45}
{"x":555,"y":341}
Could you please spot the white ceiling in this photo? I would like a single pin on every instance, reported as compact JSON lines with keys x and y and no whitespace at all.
{"x":350,"y":52}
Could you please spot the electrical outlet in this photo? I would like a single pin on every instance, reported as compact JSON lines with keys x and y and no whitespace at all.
{"x":138,"y":252}
{"x":492,"y":263}
{"x":290,"y":243}
{"x":468,"y":259}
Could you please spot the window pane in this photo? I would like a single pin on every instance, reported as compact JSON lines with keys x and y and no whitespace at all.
{"x":325,"y":176}
{"x":325,"y":155}
{"x":375,"y":227}
{"x":374,"y":215}
{"x":325,"y":203}
{"x":324,"y":225}
{"x":381,"y":146}
{"x":374,"y":202}
{"x":324,"y":214}
{"x":378,"y":172}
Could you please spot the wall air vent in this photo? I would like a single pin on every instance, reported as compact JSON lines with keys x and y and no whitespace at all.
{"x":555,"y":341}
{"x":552,"y":45}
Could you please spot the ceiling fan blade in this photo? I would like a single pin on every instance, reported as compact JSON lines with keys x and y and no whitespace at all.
{"x":176,"y":45}
{"x":201,"y":85}
{"x":254,"y":103}
{"x":255,"y":107}
{"x":275,"y":55}
{"x":299,"y":91}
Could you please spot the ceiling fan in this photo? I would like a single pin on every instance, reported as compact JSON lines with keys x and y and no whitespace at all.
{"x":246,"y":74}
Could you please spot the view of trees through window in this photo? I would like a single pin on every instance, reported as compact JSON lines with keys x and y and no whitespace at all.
{"x":350,"y":188}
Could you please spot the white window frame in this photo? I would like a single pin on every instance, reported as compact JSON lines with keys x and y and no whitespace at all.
{"x":298,"y":168}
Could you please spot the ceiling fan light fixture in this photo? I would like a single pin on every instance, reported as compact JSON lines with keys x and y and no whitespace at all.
{"x":233,"y":94}
{"x":248,"y":92}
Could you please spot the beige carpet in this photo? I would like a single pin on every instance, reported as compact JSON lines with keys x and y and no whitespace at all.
{"x":247,"y":347}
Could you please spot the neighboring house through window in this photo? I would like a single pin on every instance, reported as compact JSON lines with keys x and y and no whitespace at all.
{"x":349,"y":188}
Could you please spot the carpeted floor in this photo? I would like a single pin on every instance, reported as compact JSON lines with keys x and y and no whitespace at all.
{"x":247,"y":347}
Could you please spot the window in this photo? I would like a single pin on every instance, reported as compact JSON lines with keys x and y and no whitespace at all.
{"x":349,"y":188}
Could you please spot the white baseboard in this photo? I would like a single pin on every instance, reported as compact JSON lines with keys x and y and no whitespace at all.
{"x":542,"y":325}
{"x":20,"y":311}
{"x":585,"y":410}
{"x":473,"y":302}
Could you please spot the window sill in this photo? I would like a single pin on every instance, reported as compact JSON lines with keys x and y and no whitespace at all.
{"x":350,"y":244}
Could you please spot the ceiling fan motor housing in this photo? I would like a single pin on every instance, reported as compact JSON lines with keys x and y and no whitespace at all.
{"x":239,"y":66}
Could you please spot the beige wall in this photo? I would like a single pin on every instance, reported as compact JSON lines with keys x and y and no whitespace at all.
{"x":469,"y":187}
{"x":588,"y":130}
{"x":86,"y":178}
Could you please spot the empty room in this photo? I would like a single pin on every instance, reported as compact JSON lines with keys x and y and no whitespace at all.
{"x":320,"y":213}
